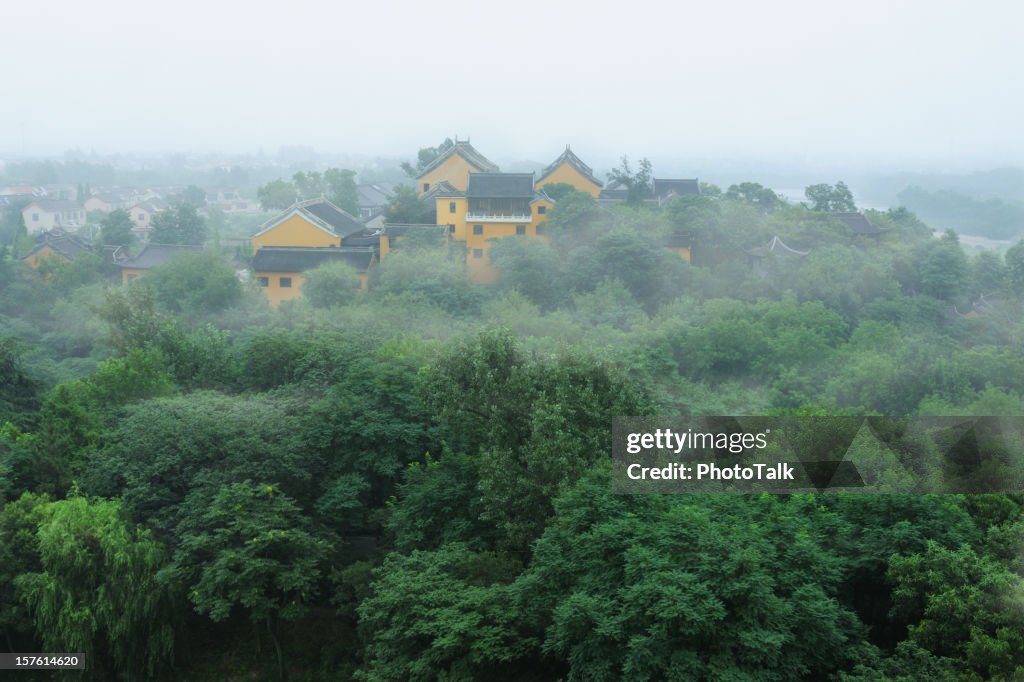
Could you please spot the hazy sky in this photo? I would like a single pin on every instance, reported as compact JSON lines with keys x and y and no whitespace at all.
{"x":870,"y":80}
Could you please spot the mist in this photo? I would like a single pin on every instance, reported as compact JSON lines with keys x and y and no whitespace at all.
{"x":797,"y":83}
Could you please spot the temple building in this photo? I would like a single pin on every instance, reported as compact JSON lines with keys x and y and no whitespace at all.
{"x":493,"y":206}
{"x":454,"y":165}
{"x":569,"y":169}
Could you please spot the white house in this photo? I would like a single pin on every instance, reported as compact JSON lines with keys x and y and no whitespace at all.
{"x":45,"y":214}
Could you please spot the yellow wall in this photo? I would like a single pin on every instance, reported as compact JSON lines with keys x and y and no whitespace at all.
{"x":128,"y":274}
{"x":45,"y":254}
{"x":570,"y":176}
{"x":455,"y":170}
{"x":276,"y":293}
{"x":295,"y":231}
{"x":445,"y":216}
{"x":683,"y":251}
{"x":480,"y":268}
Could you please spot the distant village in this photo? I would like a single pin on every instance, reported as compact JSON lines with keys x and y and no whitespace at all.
{"x":474,"y":203}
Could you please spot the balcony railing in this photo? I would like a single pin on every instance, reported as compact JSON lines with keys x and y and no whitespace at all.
{"x":497,"y":218}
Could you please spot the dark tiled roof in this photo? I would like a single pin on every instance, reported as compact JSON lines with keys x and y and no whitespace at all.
{"x":858,"y":224}
{"x":500,"y":186}
{"x":339,"y":221}
{"x":569,"y":157}
{"x":300,"y":259}
{"x":443,"y":190}
{"x":776,"y":247}
{"x":372,"y":196}
{"x":154,"y":255}
{"x":466,"y":151}
{"x":365,"y":237}
{"x":664,"y":187}
{"x":67,"y":245}
{"x":321,"y":213}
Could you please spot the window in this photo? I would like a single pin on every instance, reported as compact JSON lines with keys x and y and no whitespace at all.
{"x":478,"y":229}
{"x":451,"y":207}
{"x":451,"y":229}
{"x":478,"y":253}
{"x":520,"y":229}
{"x":263,"y":281}
{"x":426,"y":186}
{"x":142,"y":217}
{"x":542,"y":210}
{"x":286,"y":282}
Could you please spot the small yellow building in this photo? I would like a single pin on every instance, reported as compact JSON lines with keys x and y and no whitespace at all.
{"x":494,"y":206}
{"x":570,"y":170}
{"x":313,"y":223}
{"x":454,"y":165}
{"x":279,"y":269}
{"x":55,"y":247}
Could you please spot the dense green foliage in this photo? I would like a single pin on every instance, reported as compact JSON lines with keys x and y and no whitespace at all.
{"x":412,"y":483}
{"x":336,"y":184}
{"x":991,"y":217}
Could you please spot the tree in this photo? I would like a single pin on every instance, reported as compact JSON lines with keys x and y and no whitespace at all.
{"x":330,"y":284}
{"x":181,"y":224}
{"x":277,"y":195}
{"x":19,"y":554}
{"x":824,"y":197}
{"x":1015,"y":266}
{"x":942,"y":267}
{"x":530,"y":267}
{"x":19,"y":390}
{"x":425,"y":157}
{"x":638,"y":185}
{"x":98,"y":590}
{"x":264,"y":560}
{"x":536,"y":426}
{"x":754,"y":194}
{"x":957,"y":604}
{"x":340,"y":188}
{"x":192,"y":195}
{"x":309,"y":185}
{"x":558,"y":190}
{"x":647,"y":587}
{"x":406,"y":206}
{"x":194,"y":284}
{"x":429,"y":275}
{"x":989,"y":274}
{"x":446,"y":614}
{"x":116,"y":228}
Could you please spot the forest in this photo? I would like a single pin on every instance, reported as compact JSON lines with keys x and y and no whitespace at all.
{"x":413,"y":483}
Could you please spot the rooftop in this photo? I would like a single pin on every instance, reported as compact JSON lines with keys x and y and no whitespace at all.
{"x":155,"y":255}
{"x":67,"y":245}
{"x":776,"y":247}
{"x":500,"y":186}
{"x":859,"y":224}
{"x":321,"y":213}
{"x":569,"y":157}
{"x":464,"y":149}
{"x":56,"y":205}
{"x":663,"y":187}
